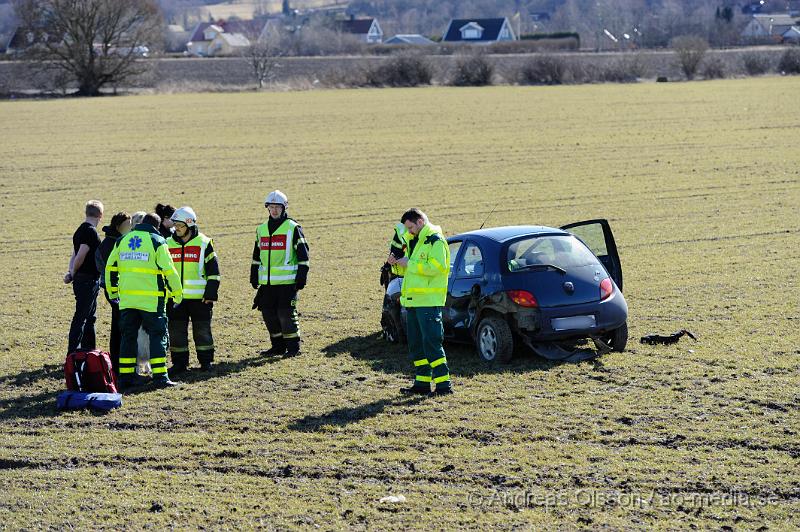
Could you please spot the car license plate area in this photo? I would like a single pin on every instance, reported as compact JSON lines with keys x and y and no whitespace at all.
{"x":572,"y":323}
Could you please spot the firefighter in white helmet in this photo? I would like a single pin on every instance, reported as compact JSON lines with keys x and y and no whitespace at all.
{"x":279,"y":270}
{"x":196,"y":262}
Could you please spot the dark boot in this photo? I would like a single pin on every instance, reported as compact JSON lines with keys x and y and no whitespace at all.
{"x":293,"y":347}
{"x":278,"y":347}
{"x":130,"y":382}
{"x":125,"y":382}
{"x":178,"y":369}
{"x":416,"y":389}
{"x":164,"y":382}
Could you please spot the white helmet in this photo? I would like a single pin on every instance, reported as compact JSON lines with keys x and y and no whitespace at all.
{"x":185,"y":215}
{"x":277,"y":197}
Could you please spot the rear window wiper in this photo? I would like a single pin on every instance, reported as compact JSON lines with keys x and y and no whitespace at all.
{"x":562,"y":271}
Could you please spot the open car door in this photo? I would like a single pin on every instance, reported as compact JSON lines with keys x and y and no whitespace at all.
{"x":597,"y":235}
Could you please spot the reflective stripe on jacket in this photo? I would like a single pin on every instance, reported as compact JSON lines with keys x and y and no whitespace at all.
{"x":140,"y":271}
{"x":190,"y":260}
{"x":277,"y":254}
{"x":425,"y":282}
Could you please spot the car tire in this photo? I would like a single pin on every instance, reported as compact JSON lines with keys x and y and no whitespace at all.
{"x":392,"y":330}
{"x":618,"y":338}
{"x":494,"y":340}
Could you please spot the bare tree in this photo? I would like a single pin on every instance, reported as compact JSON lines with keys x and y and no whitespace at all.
{"x":262,"y":55}
{"x":95,"y":42}
{"x":690,"y":50}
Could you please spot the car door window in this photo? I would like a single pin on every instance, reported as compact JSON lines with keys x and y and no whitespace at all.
{"x":597,"y":235}
{"x":563,"y":251}
{"x":529,"y":252}
{"x":454,"y":247}
{"x":471,"y":264}
{"x":594,"y":237}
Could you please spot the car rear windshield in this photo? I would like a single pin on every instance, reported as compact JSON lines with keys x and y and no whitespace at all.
{"x":562,"y":251}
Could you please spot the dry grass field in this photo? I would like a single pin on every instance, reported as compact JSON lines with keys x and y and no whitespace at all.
{"x":700,"y":181}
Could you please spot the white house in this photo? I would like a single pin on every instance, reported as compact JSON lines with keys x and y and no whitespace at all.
{"x":768,"y":27}
{"x":207,"y":38}
{"x":224,"y":44}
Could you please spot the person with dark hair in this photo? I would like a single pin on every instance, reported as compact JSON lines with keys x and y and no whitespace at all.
{"x":279,"y":271}
{"x":196,"y":261}
{"x":141,"y":276}
{"x":423,"y":294}
{"x":84,"y":277}
{"x":165,"y":212}
{"x":120,"y":225}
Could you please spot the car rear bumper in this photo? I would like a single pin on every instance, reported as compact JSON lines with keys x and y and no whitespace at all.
{"x":572,"y":321}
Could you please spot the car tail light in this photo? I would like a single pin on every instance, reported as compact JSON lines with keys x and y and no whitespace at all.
{"x":606,"y":288}
{"x":523,"y":298}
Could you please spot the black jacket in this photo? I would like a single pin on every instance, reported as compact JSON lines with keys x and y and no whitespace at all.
{"x":103,"y":251}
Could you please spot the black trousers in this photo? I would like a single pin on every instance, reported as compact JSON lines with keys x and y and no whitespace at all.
{"x":115,"y":337}
{"x":199,"y":314}
{"x":81,"y":331}
{"x":278,"y":304}
{"x":155,"y":325}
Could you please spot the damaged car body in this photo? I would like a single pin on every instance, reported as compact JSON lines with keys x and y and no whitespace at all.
{"x":546,"y":288}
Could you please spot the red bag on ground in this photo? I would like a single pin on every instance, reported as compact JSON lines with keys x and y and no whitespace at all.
{"x":90,"y":371}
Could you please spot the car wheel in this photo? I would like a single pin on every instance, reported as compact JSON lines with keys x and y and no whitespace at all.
{"x":388,"y":329}
{"x":618,"y":338}
{"x":494,"y":340}
{"x":392,"y":330}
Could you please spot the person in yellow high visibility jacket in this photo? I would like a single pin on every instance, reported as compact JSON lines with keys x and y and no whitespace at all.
{"x":279,"y":270}
{"x":140,"y":275}
{"x":423,"y":294}
{"x":196,"y":261}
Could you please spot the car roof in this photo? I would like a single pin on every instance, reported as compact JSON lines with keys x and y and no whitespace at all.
{"x":502,"y":234}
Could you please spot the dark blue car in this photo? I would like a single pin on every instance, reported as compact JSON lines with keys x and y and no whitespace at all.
{"x":547,"y":288}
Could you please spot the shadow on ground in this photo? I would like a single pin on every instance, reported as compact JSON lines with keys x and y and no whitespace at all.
{"x":37,"y":405}
{"x":462,"y":358}
{"x":344,"y":416}
{"x":220,"y":369}
{"x":393,"y":358}
{"x":48,"y":371}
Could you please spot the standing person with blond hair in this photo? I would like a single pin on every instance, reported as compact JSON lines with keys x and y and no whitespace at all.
{"x":84,"y":277}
